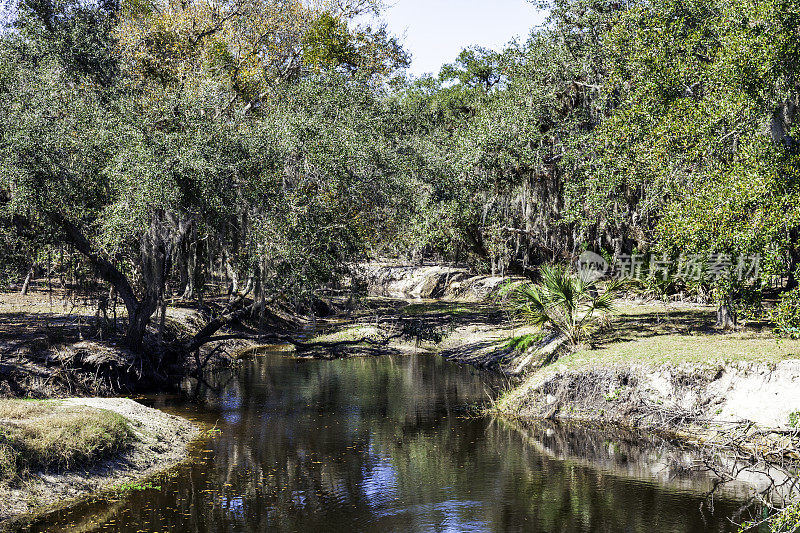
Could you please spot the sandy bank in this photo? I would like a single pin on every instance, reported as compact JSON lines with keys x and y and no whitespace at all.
{"x":707,"y":403}
{"x":426,"y":282}
{"x":160,"y":442}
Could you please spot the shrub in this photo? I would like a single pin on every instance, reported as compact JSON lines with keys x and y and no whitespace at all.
{"x":565,"y":303}
{"x":786,"y":520}
{"x":786,"y":315}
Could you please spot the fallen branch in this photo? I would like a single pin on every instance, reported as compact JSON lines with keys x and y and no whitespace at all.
{"x":304,"y":346}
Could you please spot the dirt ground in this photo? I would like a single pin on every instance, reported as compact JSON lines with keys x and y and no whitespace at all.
{"x":32,"y":328}
{"x":54,"y":345}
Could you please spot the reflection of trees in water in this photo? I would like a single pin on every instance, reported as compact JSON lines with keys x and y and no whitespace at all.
{"x":328,"y":427}
{"x":628,"y":453}
{"x":319,"y":446}
{"x":585,"y":478}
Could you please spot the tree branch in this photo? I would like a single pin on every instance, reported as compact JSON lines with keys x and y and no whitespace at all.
{"x":104,"y":268}
{"x":302,"y":346}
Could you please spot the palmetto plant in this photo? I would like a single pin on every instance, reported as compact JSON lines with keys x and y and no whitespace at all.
{"x":570,"y":305}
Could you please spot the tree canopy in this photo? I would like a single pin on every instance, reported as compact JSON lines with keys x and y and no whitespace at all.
{"x":271,"y":143}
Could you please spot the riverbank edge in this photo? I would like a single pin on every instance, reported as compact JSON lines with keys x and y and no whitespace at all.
{"x":162,"y":441}
{"x":750,"y":407}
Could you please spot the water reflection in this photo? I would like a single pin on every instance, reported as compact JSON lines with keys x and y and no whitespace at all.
{"x":387,"y":444}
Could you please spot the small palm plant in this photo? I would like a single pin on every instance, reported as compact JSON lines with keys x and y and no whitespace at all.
{"x":570,"y":305}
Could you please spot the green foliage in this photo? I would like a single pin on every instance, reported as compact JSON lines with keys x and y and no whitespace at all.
{"x":616,"y":127}
{"x":327,"y":43}
{"x":521,"y":343}
{"x":474,"y":67}
{"x":687,"y":137}
{"x":167,"y":177}
{"x":77,"y":34}
{"x":786,"y":315}
{"x":183,"y":140}
{"x":568,"y":304}
{"x":15,"y":260}
{"x":786,"y":520}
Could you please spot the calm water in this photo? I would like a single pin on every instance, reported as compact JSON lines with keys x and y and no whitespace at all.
{"x":388,"y":444}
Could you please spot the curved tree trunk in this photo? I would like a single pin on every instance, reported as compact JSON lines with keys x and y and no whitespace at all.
{"x":27,"y":283}
{"x":139,"y":313}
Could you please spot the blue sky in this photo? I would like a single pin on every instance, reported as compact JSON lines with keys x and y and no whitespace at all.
{"x":435,"y":31}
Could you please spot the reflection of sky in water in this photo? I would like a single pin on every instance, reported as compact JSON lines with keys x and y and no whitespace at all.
{"x":379,"y":483}
{"x":234,"y":507}
{"x":231,"y":417}
{"x":299,"y":498}
{"x":231,"y":404}
{"x":379,"y":477}
{"x":453,"y":516}
{"x":379,"y":486}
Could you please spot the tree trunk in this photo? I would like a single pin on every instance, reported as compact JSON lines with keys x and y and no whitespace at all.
{"x":138,"y":321}
{"x":162,"y":321}
{"x":139,"y":313}
{"x":726,"y":317}
{"x":233,"y":288}
{"x":191,"y":263}
{"x":27,"y":283}
{"x":202,"y":336}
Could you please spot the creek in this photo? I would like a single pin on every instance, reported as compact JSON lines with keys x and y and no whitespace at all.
{"x":396,"y":444}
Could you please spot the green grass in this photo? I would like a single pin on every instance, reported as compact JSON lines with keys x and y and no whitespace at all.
{"x":675,"y":348}
{"x":520,"y":343}
{"x":657,"y":334}
{"x":136,"y":486}
{"x":45,"y":436}
{"x":437,"y":308}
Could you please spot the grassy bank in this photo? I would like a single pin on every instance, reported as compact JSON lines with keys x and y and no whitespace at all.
{"x":54,"y":452}
{"x":656,"y":334}
{"x":638,"y":333}
{"x":48,"y":436}
{"x":668,"y":368}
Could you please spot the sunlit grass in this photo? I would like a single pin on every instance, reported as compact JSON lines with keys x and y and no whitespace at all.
{"x":44,"y":435}
{"x":520,"y":343}
{"x":437,"y":308}
{"x":658,"y":334}
{"x":675,"y":348}
{"x":351,"y":333}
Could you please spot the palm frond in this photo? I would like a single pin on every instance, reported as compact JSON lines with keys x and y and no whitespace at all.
{"x":563,"y":302}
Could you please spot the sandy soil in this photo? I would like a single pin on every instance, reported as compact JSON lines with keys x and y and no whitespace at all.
{"x":161,"y":442}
